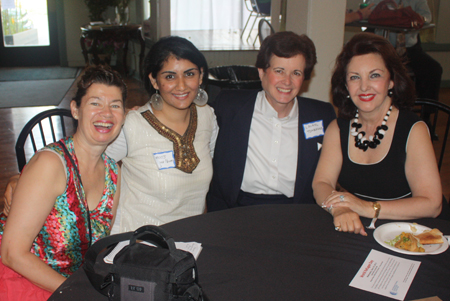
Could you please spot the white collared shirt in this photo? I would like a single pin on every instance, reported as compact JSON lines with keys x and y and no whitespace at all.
{"x":271,"y":164}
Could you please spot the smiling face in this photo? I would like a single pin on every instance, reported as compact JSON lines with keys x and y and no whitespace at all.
{"x":283,"y":79}
{"x":368,"y":82}
{"x":178,"y":82}
{"x":101,"y":113}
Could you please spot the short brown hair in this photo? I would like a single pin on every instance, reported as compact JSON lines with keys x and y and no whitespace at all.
{"x":403,"y":95}
{"x":287,"y":44}
{"x":100,"y":75}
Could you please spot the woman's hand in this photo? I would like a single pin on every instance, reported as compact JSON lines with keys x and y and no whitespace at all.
{"x":346,"y":220}
{"x":7,"y":197}
{"x":347,"y":200}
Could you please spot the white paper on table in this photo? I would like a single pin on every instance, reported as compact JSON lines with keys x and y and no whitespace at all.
{"x":192,"y":247}
{"x":386,"y":275}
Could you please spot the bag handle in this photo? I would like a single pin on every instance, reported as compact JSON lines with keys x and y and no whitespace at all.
{"x":164,"y":240}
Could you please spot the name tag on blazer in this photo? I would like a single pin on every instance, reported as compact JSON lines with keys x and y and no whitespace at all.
{"x":313,"y":129}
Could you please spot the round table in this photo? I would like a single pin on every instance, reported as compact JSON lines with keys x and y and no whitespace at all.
{"x":284,"y":252}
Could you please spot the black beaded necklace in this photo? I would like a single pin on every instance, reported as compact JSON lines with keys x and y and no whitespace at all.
{"x":360,"y":141}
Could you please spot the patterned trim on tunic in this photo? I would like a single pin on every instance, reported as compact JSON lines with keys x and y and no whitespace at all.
{"x":186,"y":158}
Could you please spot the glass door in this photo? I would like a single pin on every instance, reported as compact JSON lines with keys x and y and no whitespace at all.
{"x":29,"y":33}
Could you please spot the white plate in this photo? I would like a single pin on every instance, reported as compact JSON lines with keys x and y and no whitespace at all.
{"x":389,"y":231}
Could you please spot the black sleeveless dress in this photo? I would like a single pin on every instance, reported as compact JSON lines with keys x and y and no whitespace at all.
{"x":386,"y":179}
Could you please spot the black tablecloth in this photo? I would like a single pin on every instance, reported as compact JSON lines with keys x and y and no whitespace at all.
{"x":283,"y":252}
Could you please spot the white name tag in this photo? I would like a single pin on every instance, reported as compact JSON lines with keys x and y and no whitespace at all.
{"x":164,"y":160}
{"x":313,"y":129}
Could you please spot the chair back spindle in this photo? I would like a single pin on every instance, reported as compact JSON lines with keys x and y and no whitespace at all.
{"x":47,"y":127}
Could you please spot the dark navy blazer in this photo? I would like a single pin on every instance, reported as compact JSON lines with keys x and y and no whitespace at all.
{"x":234,"y":111}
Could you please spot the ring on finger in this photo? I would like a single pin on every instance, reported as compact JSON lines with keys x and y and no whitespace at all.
{"x":337,"y":228}
{"x":341,"y":197}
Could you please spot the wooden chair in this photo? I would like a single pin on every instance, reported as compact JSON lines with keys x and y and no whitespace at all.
{"x":44,"y":128}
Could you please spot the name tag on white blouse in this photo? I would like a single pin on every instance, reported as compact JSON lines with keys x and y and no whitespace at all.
{"x":164,"y":160}
{"x":313,"y":129}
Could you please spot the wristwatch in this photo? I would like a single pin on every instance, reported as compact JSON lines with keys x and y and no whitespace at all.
{"x":377,"y":207}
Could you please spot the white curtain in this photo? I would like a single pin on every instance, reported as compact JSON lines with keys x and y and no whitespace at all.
{"x":207,"y":14}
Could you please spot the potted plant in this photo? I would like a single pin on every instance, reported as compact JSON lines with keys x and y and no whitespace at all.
{"x":98,"y":7}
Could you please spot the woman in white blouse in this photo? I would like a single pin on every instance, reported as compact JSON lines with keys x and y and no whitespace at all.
{"x":166,"y":146}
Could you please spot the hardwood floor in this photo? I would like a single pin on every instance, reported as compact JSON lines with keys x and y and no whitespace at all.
{"x":13,"y":119}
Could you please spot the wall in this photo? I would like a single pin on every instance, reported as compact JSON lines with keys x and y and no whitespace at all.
{"x":318,"y":19}
{"x":75,"y":15}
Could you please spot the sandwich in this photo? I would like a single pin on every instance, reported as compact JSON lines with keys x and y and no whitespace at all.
{"x":429,"y":237}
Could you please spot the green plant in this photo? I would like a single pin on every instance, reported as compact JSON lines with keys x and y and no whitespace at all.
{"x":97,"y":7}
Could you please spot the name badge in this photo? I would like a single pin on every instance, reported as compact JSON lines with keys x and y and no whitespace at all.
{"x":164,"y":160}
{"x":313,"y":129}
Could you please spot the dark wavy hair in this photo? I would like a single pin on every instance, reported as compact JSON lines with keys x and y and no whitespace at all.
{"x":287,"y":44}
{"x":167,"y":47}
{"x":100,"y":75}
{"x":365,"y":43}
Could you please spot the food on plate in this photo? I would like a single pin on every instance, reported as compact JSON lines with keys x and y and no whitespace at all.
{"x":414,"y":242}
{"x":409,"y":242}
{"x":429,"y":237}
{"x":406,"y":241}
{"x":413,"y":228}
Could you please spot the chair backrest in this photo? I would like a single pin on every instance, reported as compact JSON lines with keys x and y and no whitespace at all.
{"x":44,"y":128}
{"x":265,"y":29}
{"x":261,"y":7}
{"x":439,"y":121}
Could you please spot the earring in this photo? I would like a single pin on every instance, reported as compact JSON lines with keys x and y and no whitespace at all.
{"x":156,"y":101}
{"x":75,"y":117}
{"x":348,"y":96}
{"x":390,"y":92}
{"x":202,"y":97}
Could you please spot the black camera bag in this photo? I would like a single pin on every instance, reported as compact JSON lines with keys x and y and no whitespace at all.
{"x":142,"y":272}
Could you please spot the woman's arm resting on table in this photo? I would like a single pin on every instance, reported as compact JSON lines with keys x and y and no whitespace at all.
{"x":329,"y":165}
{"x":325,"y":179}
{"x":423,"y":179}
{"x":7,"y":197}
{"x":423,"y":176}
{"x":42,"y":180}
